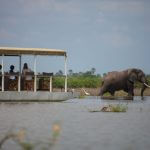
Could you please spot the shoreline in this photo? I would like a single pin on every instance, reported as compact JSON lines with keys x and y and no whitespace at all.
{"x":95,"y":92}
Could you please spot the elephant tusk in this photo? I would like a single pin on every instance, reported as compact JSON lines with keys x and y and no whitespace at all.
{"x":147,"y":85}
{"x":86,"y":93}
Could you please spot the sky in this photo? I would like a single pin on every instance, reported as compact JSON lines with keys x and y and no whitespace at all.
{"x":105,"y":34}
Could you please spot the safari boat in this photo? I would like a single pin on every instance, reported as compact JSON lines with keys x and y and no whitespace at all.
{"x":17,"y":92}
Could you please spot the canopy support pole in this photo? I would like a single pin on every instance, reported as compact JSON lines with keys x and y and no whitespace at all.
{"x":65,"y":73}
{"x":50,"y":84}
{"x":19,"y":78}
{"x":2,"y":72}
{"x":35,"y":74}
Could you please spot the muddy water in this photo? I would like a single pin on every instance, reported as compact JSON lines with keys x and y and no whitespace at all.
{"x":80,"y":129}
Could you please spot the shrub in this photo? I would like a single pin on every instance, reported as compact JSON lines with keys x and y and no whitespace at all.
{"x":83,"y":81}
{"x":58,"y":82}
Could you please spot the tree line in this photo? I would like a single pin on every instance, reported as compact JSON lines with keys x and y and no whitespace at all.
{"x":91,"y":72}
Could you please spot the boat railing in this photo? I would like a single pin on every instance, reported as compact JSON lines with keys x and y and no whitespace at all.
{"x":21,"y":82}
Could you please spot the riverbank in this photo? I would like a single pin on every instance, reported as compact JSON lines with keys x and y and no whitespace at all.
{"x":95,"y":92}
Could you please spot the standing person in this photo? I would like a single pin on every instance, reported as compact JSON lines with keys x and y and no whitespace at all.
{"x":27,"y":73}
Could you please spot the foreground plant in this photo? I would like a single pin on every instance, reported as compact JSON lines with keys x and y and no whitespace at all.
{"x":20,"y":139}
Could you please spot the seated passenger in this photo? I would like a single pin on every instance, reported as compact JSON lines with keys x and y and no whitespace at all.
{"x":11,"y":71}
{"x":12,"y":79}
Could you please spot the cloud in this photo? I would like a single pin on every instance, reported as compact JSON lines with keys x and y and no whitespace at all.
{"x":116,"y":40}
{"x":112,"y":12}
{"x":5,"y":34}
{"x":119,"y":6}
{"x":41,"y":6}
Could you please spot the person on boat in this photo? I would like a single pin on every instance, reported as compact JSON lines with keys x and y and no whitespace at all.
{"x":28,"y":74}
{"x":11,"y":71}
{"x":0,"y":76}
{"x":12,"y":78}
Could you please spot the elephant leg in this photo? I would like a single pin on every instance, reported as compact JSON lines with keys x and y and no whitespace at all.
{"x":142,"y":90}
{"x":126,"y":90}
{"x":131,"y":91}
{"x":130,"y":94}
{"x":102,"y":91}
{"x":112,"y":93}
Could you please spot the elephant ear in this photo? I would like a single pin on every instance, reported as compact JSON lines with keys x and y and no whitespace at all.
{"x":132,"y":77}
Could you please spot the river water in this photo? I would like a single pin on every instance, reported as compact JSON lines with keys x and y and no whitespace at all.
{"x":80,"y":129}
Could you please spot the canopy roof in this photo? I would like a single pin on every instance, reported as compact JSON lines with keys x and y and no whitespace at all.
{"x":31,"y":51}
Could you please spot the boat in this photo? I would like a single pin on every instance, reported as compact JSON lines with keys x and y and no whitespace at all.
{"x":18,"y":93}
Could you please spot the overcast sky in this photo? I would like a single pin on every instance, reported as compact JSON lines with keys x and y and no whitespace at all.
{"x":104,"y":34}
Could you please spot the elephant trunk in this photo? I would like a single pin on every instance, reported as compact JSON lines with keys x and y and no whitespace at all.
{"x":145,"y":85}
{"x":142,"y":90}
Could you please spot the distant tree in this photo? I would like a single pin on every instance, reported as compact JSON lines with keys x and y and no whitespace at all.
{"x":70,"y":72}
{"x":75,"y":74}
{"x":59,"y":73}
{"x":80,"y":73}
{"x":93,"y":70}
{"x":98,"y":75}
{"x":104,"y":74}
{"x":88,"y":73}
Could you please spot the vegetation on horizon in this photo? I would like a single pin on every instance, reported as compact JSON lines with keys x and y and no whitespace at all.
{"x":88,"y":79}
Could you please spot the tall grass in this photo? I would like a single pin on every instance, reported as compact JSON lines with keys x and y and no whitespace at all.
{"x":77,"y":82}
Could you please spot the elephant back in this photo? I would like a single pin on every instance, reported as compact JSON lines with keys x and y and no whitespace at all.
{"x":116,"y":76}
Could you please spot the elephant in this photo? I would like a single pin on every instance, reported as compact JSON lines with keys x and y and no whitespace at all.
{"x":123,"y":80}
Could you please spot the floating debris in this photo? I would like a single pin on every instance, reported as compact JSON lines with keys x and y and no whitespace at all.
{"x":111,"y":108}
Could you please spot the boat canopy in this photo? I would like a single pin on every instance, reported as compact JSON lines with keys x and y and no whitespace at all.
{"x":31,"y":51}
{"x":16,"y":51}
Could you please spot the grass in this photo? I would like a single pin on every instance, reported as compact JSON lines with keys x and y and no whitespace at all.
{"x":118,"y":108}
{"x":77,"y":81}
